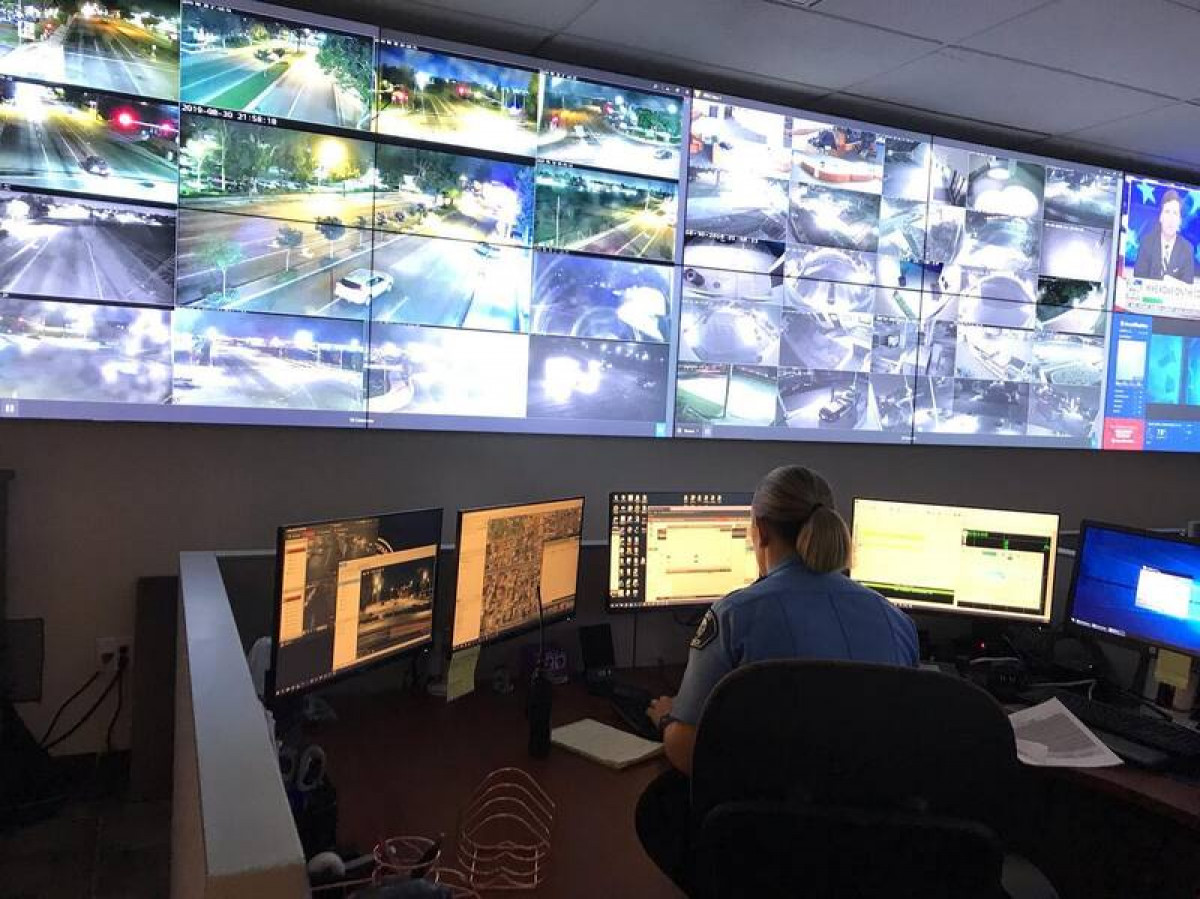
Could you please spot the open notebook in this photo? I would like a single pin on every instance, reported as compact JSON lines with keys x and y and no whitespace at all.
{"x":604,"y":744}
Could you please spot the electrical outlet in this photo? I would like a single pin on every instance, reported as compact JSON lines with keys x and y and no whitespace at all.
{"x":109,"y":651}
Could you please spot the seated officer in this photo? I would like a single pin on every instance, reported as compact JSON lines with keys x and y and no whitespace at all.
{"x":801,"y":607}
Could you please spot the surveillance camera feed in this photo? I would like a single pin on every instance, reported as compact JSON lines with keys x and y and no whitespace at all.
{"x":248,"y":214}
{"x":1153,"y":398}
{"x":841,"y":282}
{"x":350,"y":593}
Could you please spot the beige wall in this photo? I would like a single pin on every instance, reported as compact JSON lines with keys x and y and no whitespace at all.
{"x":95,"y":506}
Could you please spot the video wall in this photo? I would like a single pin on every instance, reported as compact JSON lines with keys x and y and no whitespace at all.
{"x":250,"y":214}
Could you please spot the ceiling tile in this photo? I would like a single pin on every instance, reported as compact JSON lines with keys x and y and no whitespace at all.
{"x":1172,"y":132}
{"x":550,"y":16}
{"x":939,"y":20}
{"x":1147,"y":44}
{"x":924,"y":121}
{"x":439,"y":21}
{"x":751,"y":36}
{"x":607,"y":57}
{"x":971,"y":85}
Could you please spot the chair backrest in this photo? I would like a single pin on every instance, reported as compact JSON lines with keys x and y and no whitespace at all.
{"x":763,"y":850}
{"x":859,"y":736}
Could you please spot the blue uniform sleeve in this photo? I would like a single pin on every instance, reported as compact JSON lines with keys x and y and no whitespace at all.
{"x":709,"y":660}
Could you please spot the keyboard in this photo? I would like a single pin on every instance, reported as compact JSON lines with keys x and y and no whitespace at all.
{"x":1181,"y":743}
{"x":630,"y":703}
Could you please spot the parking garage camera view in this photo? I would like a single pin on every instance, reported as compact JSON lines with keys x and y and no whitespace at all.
{"x":245,"y":213}
{"x":844,"y":283}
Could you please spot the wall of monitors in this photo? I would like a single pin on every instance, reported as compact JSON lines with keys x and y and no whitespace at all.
{"x":249,"y":214}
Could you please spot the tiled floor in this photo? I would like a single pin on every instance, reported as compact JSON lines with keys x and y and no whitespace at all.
{"x":90,"y":850}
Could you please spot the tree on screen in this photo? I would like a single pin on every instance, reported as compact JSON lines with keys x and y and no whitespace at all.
{"x":347,"y":60}
{"x":331,"y":228}
{"x":222,"y":254}
{"x":531,"y":98}
{"x":289,"y":239}
{"x":434,"y":173}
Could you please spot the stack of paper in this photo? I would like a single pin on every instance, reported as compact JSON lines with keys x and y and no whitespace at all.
{"x":1050,"y":736}
{"x":604,"y":744}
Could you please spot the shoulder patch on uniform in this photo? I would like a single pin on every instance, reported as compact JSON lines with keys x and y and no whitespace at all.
{"x":706,"y":632}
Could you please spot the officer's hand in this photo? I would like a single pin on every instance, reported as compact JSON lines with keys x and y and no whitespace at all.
{"x":660,"y":707}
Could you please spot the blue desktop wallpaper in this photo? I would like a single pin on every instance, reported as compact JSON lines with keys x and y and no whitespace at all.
{"x":1164,"y":368}
{"x":1142,"y":199}
{"x":1192,"y":368}
{"x":1106,"y":586}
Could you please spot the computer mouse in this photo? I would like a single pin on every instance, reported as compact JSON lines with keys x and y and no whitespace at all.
{"x":327,"y":865}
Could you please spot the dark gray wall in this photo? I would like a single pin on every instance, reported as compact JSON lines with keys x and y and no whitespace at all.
{"x":95,"y":506}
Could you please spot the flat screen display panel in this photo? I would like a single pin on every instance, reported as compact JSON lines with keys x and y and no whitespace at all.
{"x":343,"y":226}
{"x":1137,"y":585}
{"x":842,"y":282}
{"x":1153,"y":400}
{"x":669,"y":550}
{"x":990,"y":563}
{"x":335,"y":226}
{"x":517,"y":566}
{"x":351,"y":593}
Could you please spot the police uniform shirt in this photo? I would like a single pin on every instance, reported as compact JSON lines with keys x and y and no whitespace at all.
{"x":792,"y":613}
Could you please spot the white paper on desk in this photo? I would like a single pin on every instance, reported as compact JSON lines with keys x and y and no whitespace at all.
{"x":460,"y":679}
{"x":604,"y":744}
{"x":1048,"y":735}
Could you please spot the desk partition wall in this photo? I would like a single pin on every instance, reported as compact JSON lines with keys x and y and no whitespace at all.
{"x":251,"y":214}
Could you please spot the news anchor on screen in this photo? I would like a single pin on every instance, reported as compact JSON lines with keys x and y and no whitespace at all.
{"x":1164,"y":253}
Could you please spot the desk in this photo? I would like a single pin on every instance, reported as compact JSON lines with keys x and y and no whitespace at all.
{"x":408,"y":764}
{"x":1115,"y":833}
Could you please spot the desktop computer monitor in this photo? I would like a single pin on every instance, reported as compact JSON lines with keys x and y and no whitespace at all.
{"x":351,"y":593}
{"x":508,"y":556}
{"x":1138,"y":586}
{"x":673,"y":550}
{"x":990,"y":563}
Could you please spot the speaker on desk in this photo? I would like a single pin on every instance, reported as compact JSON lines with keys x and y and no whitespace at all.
{"x":596,"y":644}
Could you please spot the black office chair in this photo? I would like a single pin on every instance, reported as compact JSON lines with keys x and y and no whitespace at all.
{"x":855,"y":781}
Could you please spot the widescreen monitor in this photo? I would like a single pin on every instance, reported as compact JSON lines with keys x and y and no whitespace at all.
{"x":510,"y":559}
{"x":351,"y":593}
{"x":990,"y":563}
{"x":1137,"y":585}
{"x":677,"y":549}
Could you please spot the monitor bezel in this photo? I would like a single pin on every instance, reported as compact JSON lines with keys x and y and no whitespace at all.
{"x":955,"y":612}
{"x":610,"y":608}
{"x":451,"y":646}
{"x":270,"y":697}
{"x":1140,"y":643}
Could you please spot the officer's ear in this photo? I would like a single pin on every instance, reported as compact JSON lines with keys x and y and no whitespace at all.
{"x":757,"y":539}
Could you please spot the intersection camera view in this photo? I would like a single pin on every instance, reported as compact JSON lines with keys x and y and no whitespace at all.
{"x":130,"y":46}
{"x":252,"y":63}
{"x":248,"y":214}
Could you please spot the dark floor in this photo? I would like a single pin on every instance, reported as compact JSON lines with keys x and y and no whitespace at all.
{"x":99,"y":845}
